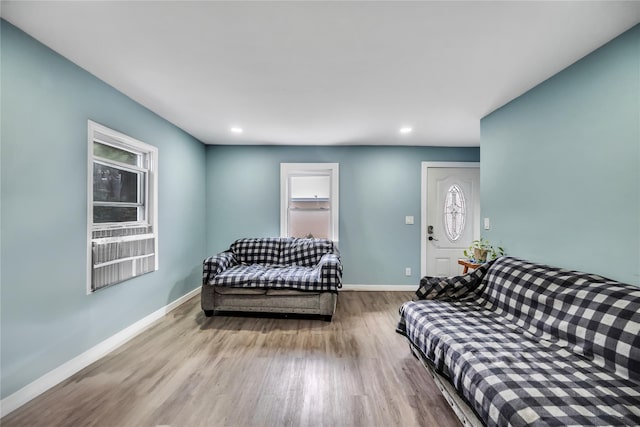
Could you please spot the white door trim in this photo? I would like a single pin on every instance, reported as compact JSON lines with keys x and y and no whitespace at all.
{"x":423,"y":204}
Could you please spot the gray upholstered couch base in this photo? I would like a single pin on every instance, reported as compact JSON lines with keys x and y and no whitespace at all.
{"x":287,"y":301}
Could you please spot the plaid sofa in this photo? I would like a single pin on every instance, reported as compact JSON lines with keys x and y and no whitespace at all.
{"x":273,"y":267}
{"x":526,"y":344}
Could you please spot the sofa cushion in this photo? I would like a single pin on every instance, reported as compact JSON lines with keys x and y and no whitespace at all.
{"x":289,"y":293}
{"x":304,"y":252}
{"x":591,"y":316}
{"x":273,"y":277}
{"x":227,"y":290}
{"x":262,"y":250}
{"x":511,"y":377}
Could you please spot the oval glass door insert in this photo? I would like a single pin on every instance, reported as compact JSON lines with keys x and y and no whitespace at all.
{"x":455,"y":212}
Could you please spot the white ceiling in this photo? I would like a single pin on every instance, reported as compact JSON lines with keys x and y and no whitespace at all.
{"x":331,"y":72}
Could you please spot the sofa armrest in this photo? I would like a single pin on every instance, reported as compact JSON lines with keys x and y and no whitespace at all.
{"x":216,"y":264}
{"x":331,"y":270}
{"x":452,"y":288}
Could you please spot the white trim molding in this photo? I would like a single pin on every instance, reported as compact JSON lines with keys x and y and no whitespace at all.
{"x":379,"y":288}
{"x":423,"y":204}
{"x":67,"y":369}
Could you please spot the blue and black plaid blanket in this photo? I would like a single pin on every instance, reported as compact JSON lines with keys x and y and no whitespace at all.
{"x":530,"y":345}
{"x":277,"y":263}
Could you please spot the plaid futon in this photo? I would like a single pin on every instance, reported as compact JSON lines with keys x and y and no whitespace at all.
{"x":290,"y":263}
{"x":530,"y":345}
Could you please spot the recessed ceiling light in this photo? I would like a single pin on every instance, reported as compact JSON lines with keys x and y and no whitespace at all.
{"x":236,"y":129}
{"x":406,"y":129}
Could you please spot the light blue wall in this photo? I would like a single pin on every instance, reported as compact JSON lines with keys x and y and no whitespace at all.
{"x":47,"y":318}
{"x":379,"y":186}
{"x":560,"y":166}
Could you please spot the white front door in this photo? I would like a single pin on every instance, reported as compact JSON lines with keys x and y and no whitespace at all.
{"x":451,"y":215}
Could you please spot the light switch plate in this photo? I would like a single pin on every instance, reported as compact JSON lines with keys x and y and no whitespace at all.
{"x":487,"y":224}
{"x":408,"y":219}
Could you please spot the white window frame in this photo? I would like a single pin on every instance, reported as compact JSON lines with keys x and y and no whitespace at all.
{"x":291,"y":169}
{"x":147,"y":167}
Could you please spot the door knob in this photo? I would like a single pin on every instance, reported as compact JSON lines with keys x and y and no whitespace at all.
{"x":433,"y":238}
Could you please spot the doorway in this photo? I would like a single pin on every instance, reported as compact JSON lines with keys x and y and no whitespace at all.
{"x":450,"y":215}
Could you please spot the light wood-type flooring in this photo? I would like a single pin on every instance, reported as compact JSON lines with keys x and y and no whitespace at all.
{"x":189,"y":370}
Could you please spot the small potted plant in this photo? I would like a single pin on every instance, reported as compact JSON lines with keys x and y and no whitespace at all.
{"x":481,"y":249}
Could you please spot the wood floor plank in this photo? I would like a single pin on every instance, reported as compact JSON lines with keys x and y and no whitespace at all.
{"x":190,"y":370}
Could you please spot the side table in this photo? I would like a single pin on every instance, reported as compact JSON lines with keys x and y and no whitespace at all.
{"x":468,"y":265}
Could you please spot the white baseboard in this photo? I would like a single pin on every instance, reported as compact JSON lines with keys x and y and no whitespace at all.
{"x":67,"y":369}
{"x":400,"y":288}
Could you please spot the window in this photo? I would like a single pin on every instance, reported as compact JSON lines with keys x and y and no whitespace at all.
{"x":455,"y":212}
{"x":122,"y":207}
{"x":309,"y":200}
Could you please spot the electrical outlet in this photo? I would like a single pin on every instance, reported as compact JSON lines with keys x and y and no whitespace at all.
{"x":408,"y":219}
{"x":407,"y":271}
